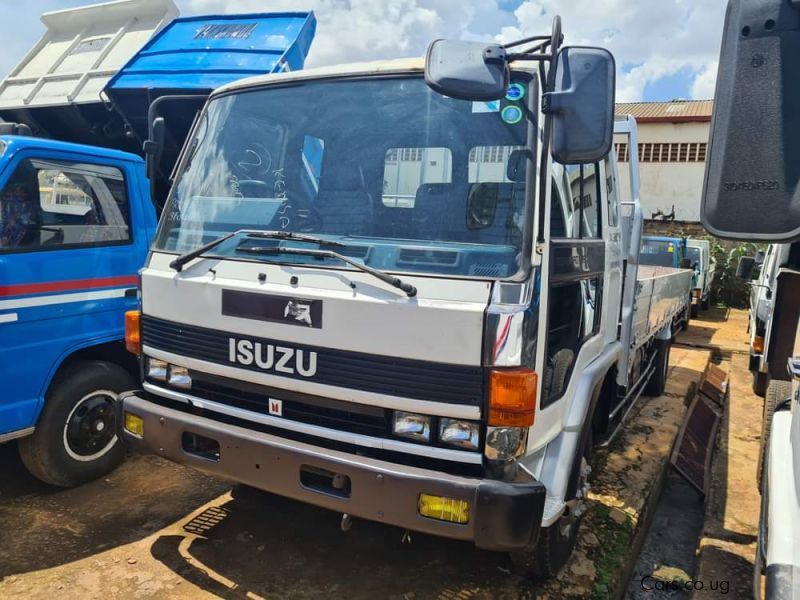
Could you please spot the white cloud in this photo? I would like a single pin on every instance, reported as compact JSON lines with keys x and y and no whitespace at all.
{"x":650,"y":39}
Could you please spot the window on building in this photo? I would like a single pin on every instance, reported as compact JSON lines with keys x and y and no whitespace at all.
{"x":665,"y":152}
{"x":51,"y":204}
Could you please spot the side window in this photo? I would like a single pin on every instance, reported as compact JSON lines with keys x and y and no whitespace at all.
{"x":48,"y":204}
{"x":585,"y":191}
{"x":611,"y":193}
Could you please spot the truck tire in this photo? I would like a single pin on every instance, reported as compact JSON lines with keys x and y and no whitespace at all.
{"x":658,"y":380}
{"x":760,"y":382}
{"x":76,"y":437}
{"x":555,"y":544}
{"x":776,"y":392}
{"x":695,"y":310}
{"x":687,"y":314}
{"x":705,"y":303}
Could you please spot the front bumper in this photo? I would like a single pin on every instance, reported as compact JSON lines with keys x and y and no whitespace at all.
{"x":502,"y":516}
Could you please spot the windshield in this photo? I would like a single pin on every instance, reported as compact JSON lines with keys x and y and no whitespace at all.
{"x":409,"y":180}
{"x":658,"y":253}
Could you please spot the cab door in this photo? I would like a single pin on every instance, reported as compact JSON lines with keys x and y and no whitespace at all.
{"x":69,"y":256}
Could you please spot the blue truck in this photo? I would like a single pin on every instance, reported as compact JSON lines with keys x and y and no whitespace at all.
{"x":78,"y":211}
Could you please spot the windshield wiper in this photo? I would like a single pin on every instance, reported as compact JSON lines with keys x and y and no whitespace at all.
{"x":178,"y":263}
{"x":409,"y":289}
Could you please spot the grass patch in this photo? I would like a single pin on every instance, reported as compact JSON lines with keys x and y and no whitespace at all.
{"x":615,"y":543}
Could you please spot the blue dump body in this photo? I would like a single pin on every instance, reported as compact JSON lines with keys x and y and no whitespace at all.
{"x":203,"y":53}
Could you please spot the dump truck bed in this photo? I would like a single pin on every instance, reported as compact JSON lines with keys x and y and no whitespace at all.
{"x":661,"y":294}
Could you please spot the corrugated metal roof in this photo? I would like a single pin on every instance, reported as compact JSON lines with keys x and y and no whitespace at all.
{"x":677,"y":111}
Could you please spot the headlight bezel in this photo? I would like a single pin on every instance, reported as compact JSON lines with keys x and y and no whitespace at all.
{"x":473,"y":428}
{"x":155,"y":369}
{"x":424,"y":436}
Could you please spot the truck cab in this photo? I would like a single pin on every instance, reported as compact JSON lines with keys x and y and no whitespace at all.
{"x":660,"y":251}
{"x":75,"y":227}
{"x":375,"y":291}
{"x":702,"y":263}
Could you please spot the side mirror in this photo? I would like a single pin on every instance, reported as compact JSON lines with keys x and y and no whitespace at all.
{"x":744,"y":270}
{"x":154,"y":146}
{"x":517,"y":162}
{"x":582,"y":105}
{"x":467,"y":70}
{"x":760,"y":257}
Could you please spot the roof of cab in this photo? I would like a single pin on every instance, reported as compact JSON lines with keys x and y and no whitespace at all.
{"x":401,"y":65}
{"x":20,"y":142}
{"x":662,"y":238}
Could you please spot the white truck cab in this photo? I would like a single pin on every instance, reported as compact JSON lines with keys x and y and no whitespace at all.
{"x":699,"y":254}
{"x":373,"y":296}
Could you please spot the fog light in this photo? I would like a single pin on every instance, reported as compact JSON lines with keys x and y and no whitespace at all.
{"x":156,"y":369}
{"x":462,"y":434}
{"x":443,"y":509}
{"x":134,"y":424}
{"x":412,"y":426}
{"x":179,"y":377}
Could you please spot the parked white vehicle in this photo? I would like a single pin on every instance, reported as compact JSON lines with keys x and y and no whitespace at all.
{"x":770,"y":347}
{"x":435,"y":345}
{"x":699,"y":254}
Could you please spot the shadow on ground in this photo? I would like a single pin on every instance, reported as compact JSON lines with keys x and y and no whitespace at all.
{"x":45,"y":526}
{"x":274,"y":547}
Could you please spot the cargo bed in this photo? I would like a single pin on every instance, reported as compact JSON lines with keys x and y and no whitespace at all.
{"x":662,"y":293}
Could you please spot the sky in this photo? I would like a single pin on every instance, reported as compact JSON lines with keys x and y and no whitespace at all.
{"x":665,"y":49}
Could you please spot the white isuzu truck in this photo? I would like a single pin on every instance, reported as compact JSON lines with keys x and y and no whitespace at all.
{"x":406,"y":292}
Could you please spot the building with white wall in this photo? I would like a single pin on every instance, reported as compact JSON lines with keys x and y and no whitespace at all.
{"x":673,"y":138}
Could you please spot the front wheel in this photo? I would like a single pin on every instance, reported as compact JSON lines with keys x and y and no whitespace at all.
{"x":556,"y":542}
{"x":76,"y":438}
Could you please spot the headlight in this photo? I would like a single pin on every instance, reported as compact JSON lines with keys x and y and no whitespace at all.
{"x":156,"y":369}
{"x":411,"y":426}
{"x":179,"y":377}
{"x":462,"y":434}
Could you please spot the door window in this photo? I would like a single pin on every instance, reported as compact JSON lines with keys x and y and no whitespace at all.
{"x":47,"y":204}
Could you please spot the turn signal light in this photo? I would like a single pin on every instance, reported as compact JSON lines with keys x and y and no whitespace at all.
{"x":443,"y":509}
{"x":758,"y":344}
{"x":133,"y":336}
{"x":512,"y":397}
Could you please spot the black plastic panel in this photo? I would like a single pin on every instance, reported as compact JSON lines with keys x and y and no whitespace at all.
{"x":753,"y":168}
{"x":438,"y":382}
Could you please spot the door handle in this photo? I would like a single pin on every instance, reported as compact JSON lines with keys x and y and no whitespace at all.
{"x":131,"y":293}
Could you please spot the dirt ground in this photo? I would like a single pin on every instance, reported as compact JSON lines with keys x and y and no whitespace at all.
{"x":155,"y":529}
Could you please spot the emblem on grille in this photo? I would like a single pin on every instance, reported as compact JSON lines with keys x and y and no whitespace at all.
{"x":297,"y":310}
{"x":269,"y":357}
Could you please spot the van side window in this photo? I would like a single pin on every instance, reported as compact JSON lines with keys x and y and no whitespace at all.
{"x":47,"y":204}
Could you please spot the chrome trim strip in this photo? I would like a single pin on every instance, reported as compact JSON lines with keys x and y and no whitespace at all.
{"x":323,"y":432}
{"x":12,"y":435}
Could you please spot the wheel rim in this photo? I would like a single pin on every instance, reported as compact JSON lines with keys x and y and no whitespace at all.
{"x":90,"y":430}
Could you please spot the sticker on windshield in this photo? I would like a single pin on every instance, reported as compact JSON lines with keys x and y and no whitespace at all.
{"x":486,"y":107}
{"x":516,"y":91}
{"x":511,"y":114}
